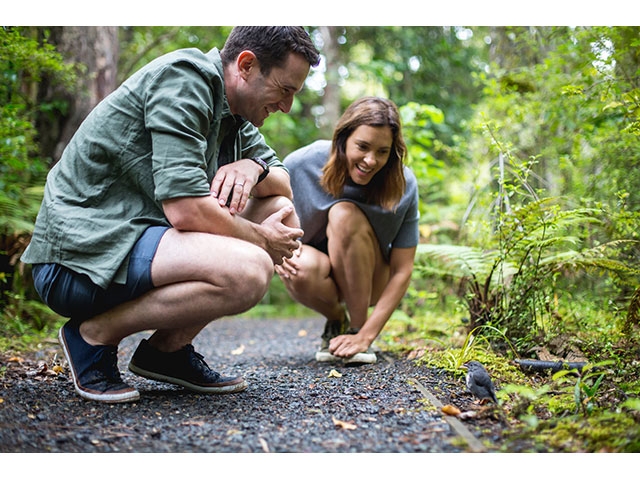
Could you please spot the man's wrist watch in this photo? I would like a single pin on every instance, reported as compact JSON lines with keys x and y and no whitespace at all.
{"x":265,"y":168}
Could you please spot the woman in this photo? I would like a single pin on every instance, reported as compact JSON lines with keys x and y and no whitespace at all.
{"x":358,"y":207}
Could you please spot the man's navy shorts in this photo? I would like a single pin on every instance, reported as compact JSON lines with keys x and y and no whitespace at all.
{"x":74,"y":295}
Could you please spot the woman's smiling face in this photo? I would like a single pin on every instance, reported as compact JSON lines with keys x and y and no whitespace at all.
{"x":368,"y":149}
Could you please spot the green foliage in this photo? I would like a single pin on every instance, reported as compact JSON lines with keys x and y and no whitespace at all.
{"x":540,"y":223}
{"x":585,"y":388}
{"x":141,"y":44}
{"x":25,"y":321}
{"x":18,"y":214}
{"x":424,"y":65}
{"x":475,"y":346}
{"x":287,"y":132}
{"x":418,"y":123}
{"x":567,"y":97}
{"x":23,"y":63}
{"x":510,"y":282}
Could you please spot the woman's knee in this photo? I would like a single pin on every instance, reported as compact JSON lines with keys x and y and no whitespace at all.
{"x":313,"y":267}
{"x":347,"y":217}
{"x":349,"y":225}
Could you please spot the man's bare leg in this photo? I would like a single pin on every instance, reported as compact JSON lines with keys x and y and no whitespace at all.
{"x":198,"y":278}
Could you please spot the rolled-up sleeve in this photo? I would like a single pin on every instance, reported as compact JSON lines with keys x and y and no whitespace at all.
{"x":178,"y":118}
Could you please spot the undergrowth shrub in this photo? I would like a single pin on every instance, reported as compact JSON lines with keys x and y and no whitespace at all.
{"x":528,"y":250}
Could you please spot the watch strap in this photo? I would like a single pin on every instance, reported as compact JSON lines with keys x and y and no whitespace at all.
{"x":265,"y":168}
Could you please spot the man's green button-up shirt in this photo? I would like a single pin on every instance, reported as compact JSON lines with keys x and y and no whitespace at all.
{"x":157,"y":137}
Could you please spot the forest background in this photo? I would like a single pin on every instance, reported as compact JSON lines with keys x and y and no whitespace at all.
{"x":525,"y":144}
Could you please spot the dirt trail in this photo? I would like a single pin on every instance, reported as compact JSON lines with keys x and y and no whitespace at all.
{"x":292,"y":404}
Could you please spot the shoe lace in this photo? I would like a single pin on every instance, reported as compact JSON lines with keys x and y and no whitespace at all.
{"x":196,"y":360}
{"x":105,"y":368}
{"x":108,"y":361}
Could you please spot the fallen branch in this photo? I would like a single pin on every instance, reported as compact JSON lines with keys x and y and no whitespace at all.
{"x":543,"y":365}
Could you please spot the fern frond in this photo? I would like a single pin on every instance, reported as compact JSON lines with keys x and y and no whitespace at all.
{"x":465,"y":262}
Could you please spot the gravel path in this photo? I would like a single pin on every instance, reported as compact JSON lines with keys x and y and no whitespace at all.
{"x":292,"y":404}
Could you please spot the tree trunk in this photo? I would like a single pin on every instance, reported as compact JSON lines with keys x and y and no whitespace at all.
{"x":331,"y":97}
{"x":96,"y":50}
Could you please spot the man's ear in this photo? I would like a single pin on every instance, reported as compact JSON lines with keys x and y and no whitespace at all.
{"x":246,"y":62}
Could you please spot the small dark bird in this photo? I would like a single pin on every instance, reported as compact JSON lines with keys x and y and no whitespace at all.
{"x":479,"y":382}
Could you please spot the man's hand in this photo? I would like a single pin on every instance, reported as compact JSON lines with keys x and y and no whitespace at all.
{"x":281,"y":240}
{"x":289,"y":266}
{"x":232,"y":184}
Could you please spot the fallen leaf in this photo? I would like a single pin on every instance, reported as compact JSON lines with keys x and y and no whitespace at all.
{"x":334,"y":373}
{"x":302,"y":333}
{"x":57,"y":369}
{"x":41,"y":369}
{"x":16,"y":359}
{"x":451,"y":410}
{"x":238,"y":351}
{"x":343,"y":425}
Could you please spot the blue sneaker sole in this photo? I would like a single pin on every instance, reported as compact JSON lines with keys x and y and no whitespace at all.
{"x":130,"y":395}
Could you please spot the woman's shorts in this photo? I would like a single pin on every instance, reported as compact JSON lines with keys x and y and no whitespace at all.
{"x":74,"y":295}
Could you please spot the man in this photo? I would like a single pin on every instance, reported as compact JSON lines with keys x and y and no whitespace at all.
{"x":167,"y":210}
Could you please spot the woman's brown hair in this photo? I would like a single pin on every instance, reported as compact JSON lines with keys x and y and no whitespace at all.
{"x":387,"y":186}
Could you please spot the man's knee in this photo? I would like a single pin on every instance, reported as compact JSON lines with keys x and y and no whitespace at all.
{"x":258,"y":209}
{"x":248,"y":275}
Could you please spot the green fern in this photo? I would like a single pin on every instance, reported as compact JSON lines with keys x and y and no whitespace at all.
{"x":18,"y":214}
{"x":508,"y":285}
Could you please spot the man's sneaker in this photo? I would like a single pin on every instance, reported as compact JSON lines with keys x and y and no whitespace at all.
{"x":185,"y":367}
{"x":332,"y":328}
{"x":94,"y":368}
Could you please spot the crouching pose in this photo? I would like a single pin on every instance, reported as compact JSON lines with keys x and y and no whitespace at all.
{"x":358,"y":206}
{"x":147,"y":221}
